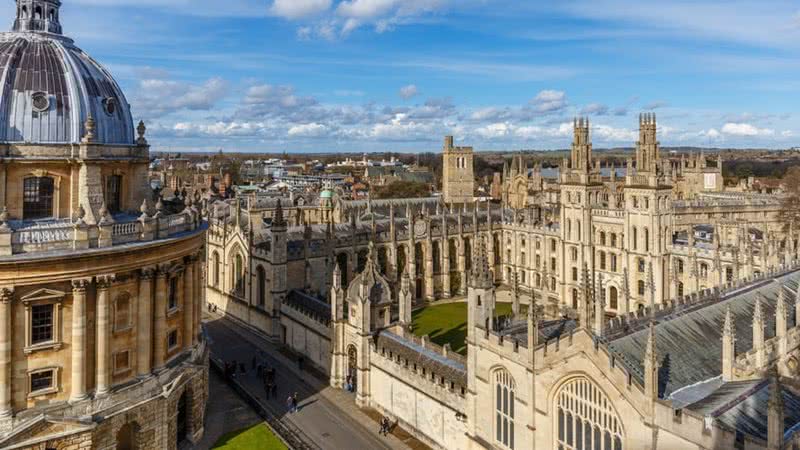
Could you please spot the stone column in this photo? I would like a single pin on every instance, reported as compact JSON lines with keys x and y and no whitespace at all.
{"x":462,"y":266}
{"x":6,"y":295}
{"x":188,"y":303}
{"x":160,"y":336}
{"x":103,"y":360}
{"x":199,"y":291}
{"x":144,"y":323}
{"x":78,"y":383}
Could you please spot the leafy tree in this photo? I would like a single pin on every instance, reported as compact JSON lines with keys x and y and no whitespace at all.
{"x":402,"y":189}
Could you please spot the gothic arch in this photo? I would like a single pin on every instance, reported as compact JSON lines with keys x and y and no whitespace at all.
{"x":579,"y":405}
{"x":503,"y":398}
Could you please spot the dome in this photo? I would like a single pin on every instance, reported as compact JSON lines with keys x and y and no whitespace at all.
{"x":50,"y":87}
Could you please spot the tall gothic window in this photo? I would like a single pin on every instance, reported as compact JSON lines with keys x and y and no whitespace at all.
{"x":640,"y":286}
{"x":215,"y":262}
{"x":646,"y":239}
{"x":613,"y":262}
{"x":586,"y":418}
{"x":504,"y":409}
{"x":634,"y":237}
{"x":602,"y":257}
{"x":114,"y":193}
{"x":261,"y":279}
{"x":37,"y":198}
{"x":612,"y":297}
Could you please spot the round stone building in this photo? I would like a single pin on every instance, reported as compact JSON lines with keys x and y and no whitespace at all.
{"x":100,"y":338}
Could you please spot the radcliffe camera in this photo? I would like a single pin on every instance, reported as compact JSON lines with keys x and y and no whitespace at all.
{"x":399,"y":224}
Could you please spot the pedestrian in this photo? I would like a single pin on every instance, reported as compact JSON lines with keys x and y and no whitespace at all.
{"x":290,"y":403}
{"x":294,"y":402}
{"x":384,"y":425}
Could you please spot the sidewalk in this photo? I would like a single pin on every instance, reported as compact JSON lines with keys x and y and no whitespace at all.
{"x":328,"y":418}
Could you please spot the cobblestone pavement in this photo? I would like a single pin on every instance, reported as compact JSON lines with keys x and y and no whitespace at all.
{"x":327,"y":419}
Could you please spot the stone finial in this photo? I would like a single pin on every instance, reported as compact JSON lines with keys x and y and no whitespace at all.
{"x":775,"y":415}
{"x":651,"y":364}
{"x":89,"y":127}
{"x":81,"y":213}
{"x":160,"y":206}
{"x":144,"y":209}
{"x":728,"y":328}
{"x":140,"y":130}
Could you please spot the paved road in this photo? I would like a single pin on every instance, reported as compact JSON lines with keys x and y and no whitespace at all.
{"x":226,"y":412}
{"x":328,"y":418}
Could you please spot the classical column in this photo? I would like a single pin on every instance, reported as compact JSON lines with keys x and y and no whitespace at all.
{"x":160,"y":314}
{"x":144,"y":323}
{"x":199,"y":303}
{"x":103,"y":360}
{"x":6,"y":295}
{"x":188,"y":303}
{"x":78,"y":383}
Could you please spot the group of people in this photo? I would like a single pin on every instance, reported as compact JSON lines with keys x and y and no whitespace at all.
{"x":386,"y":426}
{"x":291,"y":403}
{"x":349,"y":385}
{"x":232,"y":368}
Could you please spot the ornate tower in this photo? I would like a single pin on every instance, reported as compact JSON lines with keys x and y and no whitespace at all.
{"x":647,"y":148}
{"x":278,"y":260}
{"x":38,"y":15}
{"x":458,"y":178}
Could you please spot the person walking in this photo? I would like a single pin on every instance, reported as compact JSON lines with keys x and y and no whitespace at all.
{"x":294,"y":402}
{"x":290,"y":403}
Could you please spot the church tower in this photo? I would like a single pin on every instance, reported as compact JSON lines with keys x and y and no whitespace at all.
{"x":581,"y":190}
{"x":647,"y":238}
{"x":458,"y":177}
{"x":38,"y":15}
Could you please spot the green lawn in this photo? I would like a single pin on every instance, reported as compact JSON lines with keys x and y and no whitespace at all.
{"x":448,"y":323}
{"x":256,"y":437}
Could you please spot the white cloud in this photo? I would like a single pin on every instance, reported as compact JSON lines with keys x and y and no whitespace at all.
{"x":297,"y":9}
{"x":787,"y":133}
{"x":745,"y":130}
{"x":597,"y":109}
{"x":158,"y":97}
{"x":308,"y":130}
{"x":549,"y":101}
{"x":409,"y":91}
{"x":365,"y":9}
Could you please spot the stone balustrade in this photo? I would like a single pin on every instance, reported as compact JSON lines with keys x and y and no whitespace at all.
{"x":60,"y":235}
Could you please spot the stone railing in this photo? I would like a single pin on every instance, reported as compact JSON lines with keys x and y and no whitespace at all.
{"x":63,"y":235}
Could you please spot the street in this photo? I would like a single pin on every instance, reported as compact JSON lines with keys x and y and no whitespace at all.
{"x":327,"y":418}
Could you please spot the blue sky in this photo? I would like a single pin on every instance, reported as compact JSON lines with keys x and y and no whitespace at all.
{"x":397,"y":75}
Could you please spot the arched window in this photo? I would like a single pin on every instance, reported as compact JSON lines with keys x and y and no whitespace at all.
{"x":586,"y":418}
{"x":612,"y":297}
{"x":504,"y":409}
{"x":602,"y":257}
{"x":613,"y":262}
{"x":37,"y":13}
{"x":261,"y":290}
{"x":646,"y":239}
{"x":680,"y":265}
{"x":574,"y":274}
{"x":602,"y":238}
{"x":613,"y":239}
{"x":640,"y":264}
{"x":215,"y":262}
{"x":51,"y":15}
{"x":126,"y":437}
{"x":640,"y":286}
{"x":574,"y":253}
{"x":634,"y":237}
{"x":578,"y":226}
{"x":114,"y":193}
{"x":728,"y":274}
{"x":37,"y":198}
{"x":238,"y":273}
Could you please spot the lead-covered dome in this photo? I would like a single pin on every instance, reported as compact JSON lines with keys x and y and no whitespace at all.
{"x":50,"y":87}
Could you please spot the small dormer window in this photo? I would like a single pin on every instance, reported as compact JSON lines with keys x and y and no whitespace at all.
{"x":41,"y":101}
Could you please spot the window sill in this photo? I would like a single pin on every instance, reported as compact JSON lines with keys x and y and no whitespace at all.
{"x":173,"y":311}
{"x":124,"y":371}
{"x":43,"y":392}
{"x":42,"y":346}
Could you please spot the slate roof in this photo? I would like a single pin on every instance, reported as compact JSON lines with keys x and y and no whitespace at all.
{"x":749,"y":416}
{"x":449,"y":369}
{"x":689,"y":342}
{"x":310,"y":305}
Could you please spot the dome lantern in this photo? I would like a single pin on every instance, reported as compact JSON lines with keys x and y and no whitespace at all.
{"x":38,"y":16}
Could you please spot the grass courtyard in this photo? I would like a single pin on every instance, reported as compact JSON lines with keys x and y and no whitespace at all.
{"x":256,"y":437}
{"x":447,"y":323}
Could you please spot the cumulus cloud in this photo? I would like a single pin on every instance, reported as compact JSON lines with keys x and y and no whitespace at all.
{"x":549,"y":101}
{"x":745,"y":130}
{"x":297,"y":9}
{"x":157,"y":97}
{"x":308,"y":130}
{"x":409,"y":91}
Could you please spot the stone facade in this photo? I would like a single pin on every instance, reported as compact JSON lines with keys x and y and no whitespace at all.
{"x":458,"y":179}
{"x":100,"y":337}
